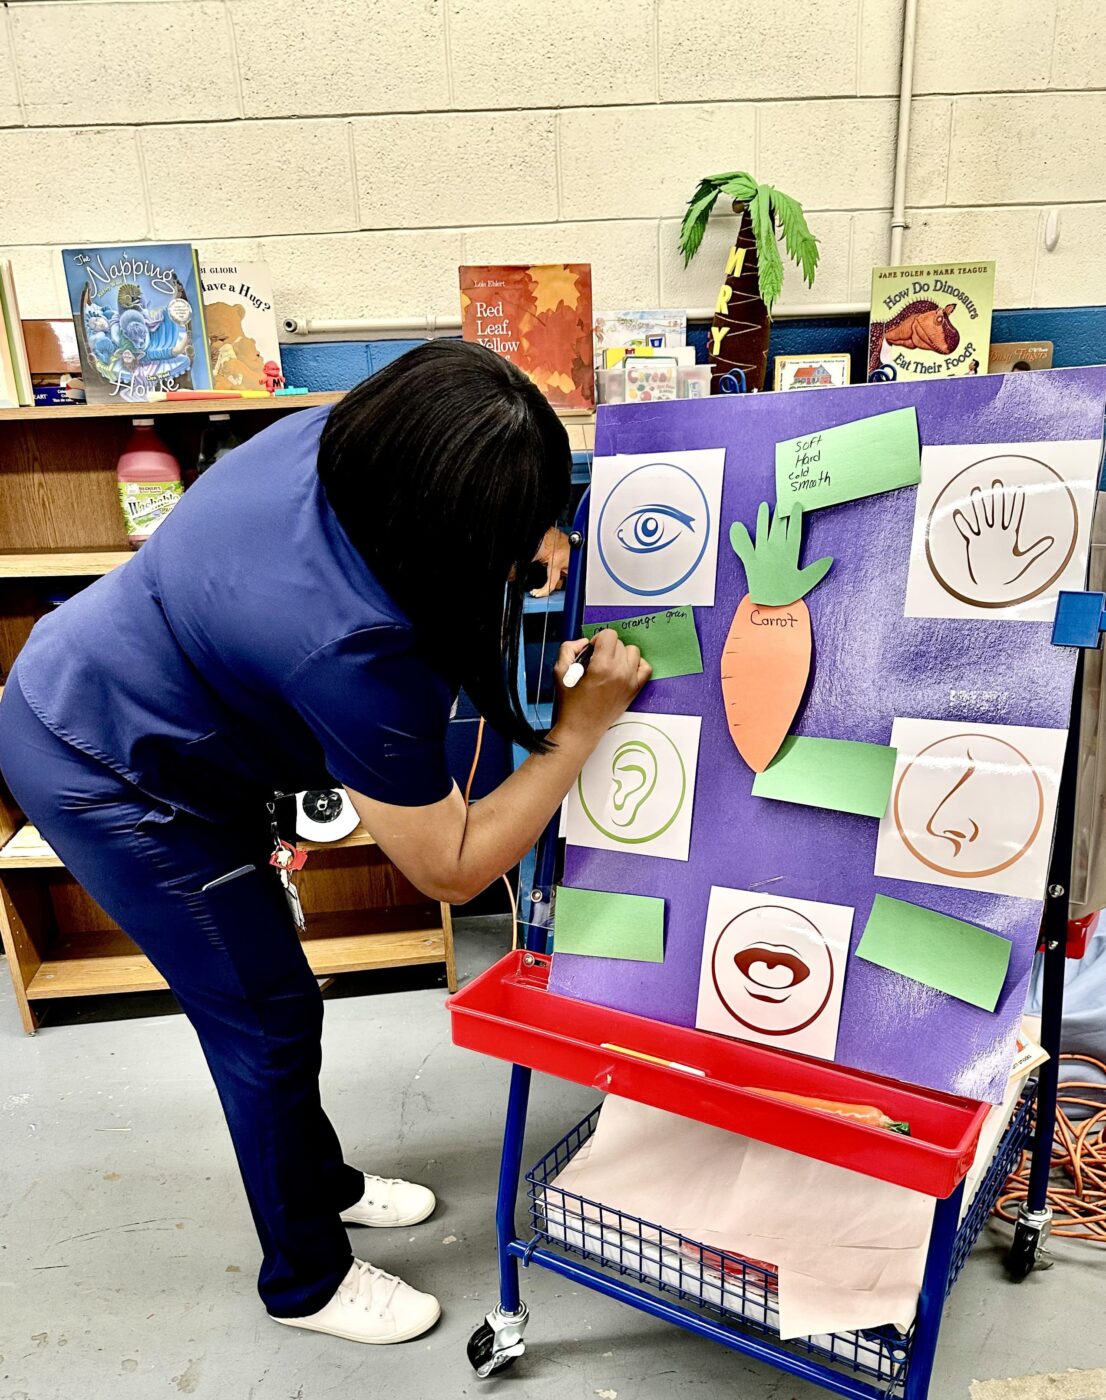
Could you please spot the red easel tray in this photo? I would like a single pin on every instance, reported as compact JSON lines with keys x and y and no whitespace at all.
{"x":508,"y":1012}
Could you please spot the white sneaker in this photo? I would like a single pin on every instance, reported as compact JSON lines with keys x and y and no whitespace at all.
{"x":372,"y":1306}
{"x":389,"y":1201}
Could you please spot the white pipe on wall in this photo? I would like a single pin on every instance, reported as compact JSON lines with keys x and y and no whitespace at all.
{"x":902,"y":139}
{"x":302,"y":326}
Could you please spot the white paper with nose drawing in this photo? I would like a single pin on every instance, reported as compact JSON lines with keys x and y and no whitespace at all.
{"x":1000,"y":529}
{"x":653,"y":528}
{"x":972,"y":805}
{"x":636,"y":792}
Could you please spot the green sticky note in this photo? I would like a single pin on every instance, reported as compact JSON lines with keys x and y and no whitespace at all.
{"x":838,"y":774}
{"x":668,"y":640}
{"x":595,"y":924}
{"x":876,"y":454}
{"x":962,"y":959}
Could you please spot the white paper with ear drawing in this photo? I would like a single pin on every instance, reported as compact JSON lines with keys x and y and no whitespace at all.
{"x":972,"y":805}
{"x":653,"y":528}
{"x":1000,"y":529}
{"x":636,"y":792}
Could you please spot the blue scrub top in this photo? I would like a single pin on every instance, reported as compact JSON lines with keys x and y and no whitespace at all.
{"x":245,"y":648}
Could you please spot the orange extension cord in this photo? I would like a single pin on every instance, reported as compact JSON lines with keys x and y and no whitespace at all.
{"x":468,"y":789}
{"x":1078,"y":1157}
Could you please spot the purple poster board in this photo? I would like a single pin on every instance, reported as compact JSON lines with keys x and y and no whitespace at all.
{"x":975,"y":670}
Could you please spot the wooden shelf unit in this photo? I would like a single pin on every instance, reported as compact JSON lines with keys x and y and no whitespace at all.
{"x":82,"y":412}
{"x":60,"y":519}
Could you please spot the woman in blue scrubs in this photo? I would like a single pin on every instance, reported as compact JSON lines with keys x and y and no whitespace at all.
{"x":305,"y":615}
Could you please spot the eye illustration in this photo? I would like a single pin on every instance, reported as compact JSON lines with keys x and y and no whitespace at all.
{"x":653,"y":530}
{"x":650,"y":528}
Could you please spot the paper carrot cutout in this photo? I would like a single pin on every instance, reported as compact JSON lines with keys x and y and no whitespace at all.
{"x":766,"y":658}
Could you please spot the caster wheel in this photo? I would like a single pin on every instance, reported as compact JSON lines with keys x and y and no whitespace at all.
{"x":1025,"y":1253}
{"x":482,"y":1354}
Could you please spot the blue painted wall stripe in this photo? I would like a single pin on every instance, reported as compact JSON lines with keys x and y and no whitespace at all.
{"x":1078,"y":332}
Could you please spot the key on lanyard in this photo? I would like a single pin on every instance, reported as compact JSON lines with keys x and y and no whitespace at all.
{"x":286,"y":859}
{"x":292,"y":895}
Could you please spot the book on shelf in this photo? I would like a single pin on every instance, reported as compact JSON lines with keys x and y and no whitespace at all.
{"x":240,"y":317}
{"x":14,"y":344}
{"x":55,"y":361}
{"x":1009,"y":356}
{"x":139,"y":316}
{"x":930,"y":321}
{"x":9,"y":388}
{"x":657,"y":328}
{"x":539,"y":317}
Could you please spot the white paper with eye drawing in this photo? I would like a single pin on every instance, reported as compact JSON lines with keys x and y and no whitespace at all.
{"x":653,"y":531}
{"x":972,"y":805}
{"x":636,"y":792}
{"x":773,"y":970}
{"x":999,"y":529}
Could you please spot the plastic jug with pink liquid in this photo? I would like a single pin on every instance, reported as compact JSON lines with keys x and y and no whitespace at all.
{"x":149,"y":482}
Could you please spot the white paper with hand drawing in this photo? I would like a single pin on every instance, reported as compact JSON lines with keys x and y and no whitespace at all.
{"x":1000,"y":529}
{"x":850,"y":1250}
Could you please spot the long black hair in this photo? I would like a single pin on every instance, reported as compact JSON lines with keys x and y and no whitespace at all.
{"x":445,"y":469}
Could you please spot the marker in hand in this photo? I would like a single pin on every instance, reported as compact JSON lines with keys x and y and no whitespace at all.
{"x":575,"y":673}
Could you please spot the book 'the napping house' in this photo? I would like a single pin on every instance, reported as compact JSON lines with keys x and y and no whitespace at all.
{"x":539,"y":318}
{"x":139,"y":320}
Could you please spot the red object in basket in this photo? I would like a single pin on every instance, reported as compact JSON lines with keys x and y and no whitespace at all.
{"x":508,"y":1012}
{"x":1080,"y":933}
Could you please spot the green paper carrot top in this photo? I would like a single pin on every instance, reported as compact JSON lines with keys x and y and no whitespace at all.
{"x":766,"y":658}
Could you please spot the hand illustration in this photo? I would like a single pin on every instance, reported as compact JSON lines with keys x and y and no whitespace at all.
{"x":990,"y":527}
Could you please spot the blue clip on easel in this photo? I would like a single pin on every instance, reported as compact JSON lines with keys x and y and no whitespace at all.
{"x":1080,"y":620}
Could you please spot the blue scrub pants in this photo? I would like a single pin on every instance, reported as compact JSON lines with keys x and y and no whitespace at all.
{"x":233,"y":960}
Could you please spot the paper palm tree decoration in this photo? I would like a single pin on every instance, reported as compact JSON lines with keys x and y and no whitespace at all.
{"x":754,"y":269}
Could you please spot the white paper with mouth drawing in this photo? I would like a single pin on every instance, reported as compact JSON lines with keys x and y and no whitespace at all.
{"x":636,"y":792}
{"x":773,"y":970}
{"x":653,"y":534}
{"x":972,"y":805}
{"x":1000,"y":529}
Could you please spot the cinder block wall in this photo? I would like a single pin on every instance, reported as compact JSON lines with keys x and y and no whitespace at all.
{"x":364,"y":148}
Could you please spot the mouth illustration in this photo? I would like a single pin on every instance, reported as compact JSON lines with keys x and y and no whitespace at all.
{"x":774,"y":967}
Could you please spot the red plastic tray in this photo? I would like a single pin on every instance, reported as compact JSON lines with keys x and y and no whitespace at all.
{"x":508,"y":1012}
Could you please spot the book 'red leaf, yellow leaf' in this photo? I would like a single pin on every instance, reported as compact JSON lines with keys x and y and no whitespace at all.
{"x":554,"y":285}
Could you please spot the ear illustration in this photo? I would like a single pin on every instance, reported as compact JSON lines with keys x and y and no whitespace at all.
{"x":633,"y":778}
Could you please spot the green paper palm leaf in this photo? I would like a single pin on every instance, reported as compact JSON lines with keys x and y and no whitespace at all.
{"x":801,"y":245}
{"x":767,"y":207}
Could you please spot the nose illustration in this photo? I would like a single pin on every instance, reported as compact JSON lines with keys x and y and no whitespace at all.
{"x":774,"y":968}
{"x":634,"y":772}
{"x":950,"y":821}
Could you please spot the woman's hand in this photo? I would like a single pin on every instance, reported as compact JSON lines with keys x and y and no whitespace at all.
{"x":615,"y":675}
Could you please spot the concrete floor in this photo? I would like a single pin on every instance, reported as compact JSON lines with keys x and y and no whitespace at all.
{"x":127,"y":1257}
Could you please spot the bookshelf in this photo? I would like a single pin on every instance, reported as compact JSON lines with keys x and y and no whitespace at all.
{"x":60,"y":519}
